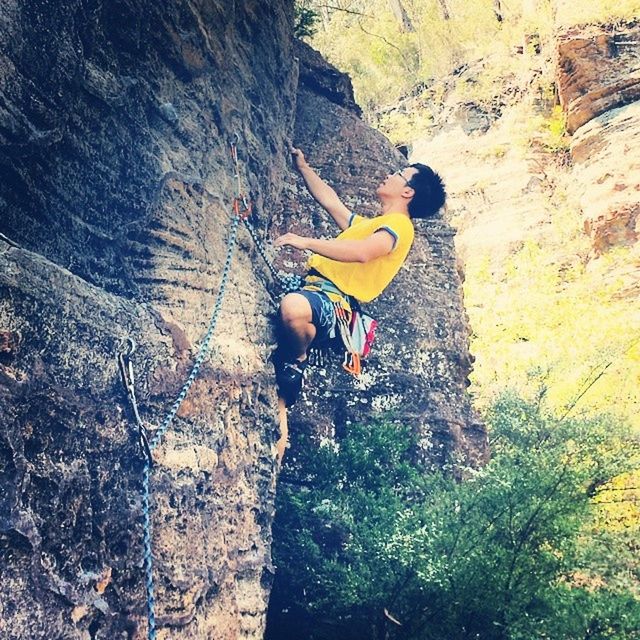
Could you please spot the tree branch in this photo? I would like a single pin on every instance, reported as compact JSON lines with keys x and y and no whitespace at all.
{"x":588,"y":384}
{"x":375,"y":35}
{"x":528,"y":527}
{"x":350,"y":11}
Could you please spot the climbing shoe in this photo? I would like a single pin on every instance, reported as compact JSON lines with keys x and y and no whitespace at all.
{"x":289,"y":377}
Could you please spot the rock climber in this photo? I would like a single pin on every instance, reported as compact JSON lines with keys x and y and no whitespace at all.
{"x":358,"y":264}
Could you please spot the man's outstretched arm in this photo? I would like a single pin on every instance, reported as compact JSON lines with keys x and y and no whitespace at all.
{"x":324,"y":195}
{"x":378,"y":244}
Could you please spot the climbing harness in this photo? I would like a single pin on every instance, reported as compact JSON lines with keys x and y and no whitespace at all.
{"x":355,"y":328}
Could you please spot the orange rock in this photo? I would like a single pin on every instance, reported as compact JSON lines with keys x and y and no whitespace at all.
{"x":597,"y":70}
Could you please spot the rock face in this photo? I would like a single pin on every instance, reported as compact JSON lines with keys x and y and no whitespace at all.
{"x":117,"y":187}
{"x":518,"y":206}
{"x":607,"y":177}
{"x":115,"y":131}
{"x":418,"y":370}
{"x":324,"y":79}
{"x":598,"y":82}
{"x":598,"y":70}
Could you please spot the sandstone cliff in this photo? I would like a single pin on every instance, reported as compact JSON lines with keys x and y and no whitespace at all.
{"x":598,"y":82}
{"x":547,"y":226}
{"x":116,"y":190}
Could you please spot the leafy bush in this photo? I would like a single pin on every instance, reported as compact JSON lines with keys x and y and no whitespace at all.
{"x":305,"y":21}
{"x":371,"y":544}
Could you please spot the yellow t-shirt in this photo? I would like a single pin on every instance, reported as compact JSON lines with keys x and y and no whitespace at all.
{"x":366,"y":281}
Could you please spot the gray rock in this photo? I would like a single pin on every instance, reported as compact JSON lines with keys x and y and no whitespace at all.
{"x":118,"y":226}
{"x":169,"y":112}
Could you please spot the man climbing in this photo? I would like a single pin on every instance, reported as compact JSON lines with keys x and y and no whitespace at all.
{"x":358,"y":264}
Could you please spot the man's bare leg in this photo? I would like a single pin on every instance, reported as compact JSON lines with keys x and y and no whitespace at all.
{"x":298,"y":333}
{"x":297,"y":327}
{"x":281,"y":445}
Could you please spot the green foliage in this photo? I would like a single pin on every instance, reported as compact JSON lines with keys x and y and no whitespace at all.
{"x":381,"y":60}
{"x":369,"y":543}
{"x":557,"y":326}
{"x":402,"y":126}
{"x":556,"y":130}
{"x":386,"y":57}
{"x":545,"y":131}
{"x":305,"y":21}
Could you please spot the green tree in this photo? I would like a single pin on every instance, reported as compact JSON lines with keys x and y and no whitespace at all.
{"x":370,"y":544}
{"x":305,"y":21}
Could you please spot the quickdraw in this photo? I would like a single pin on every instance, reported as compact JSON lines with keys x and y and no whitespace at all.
{"x":239,"y":199}
{"x":128,"y":380}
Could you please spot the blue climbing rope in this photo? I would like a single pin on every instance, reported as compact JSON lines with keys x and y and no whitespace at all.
{"x":287,"y":282}
{"x":205,"y":346}
{"x":241,"y":209}
{"x":147,"y":554}
{"x":202,"y":354}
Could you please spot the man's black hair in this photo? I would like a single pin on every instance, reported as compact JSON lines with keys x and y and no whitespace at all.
{"x":429,"y":194}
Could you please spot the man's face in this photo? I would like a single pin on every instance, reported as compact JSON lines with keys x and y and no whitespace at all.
{"x":396,"y":184}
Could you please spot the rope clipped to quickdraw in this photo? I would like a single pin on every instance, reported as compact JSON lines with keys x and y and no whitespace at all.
{"x":128,"y":380}
{"x":288,"y":282}
{"x":241,"y":209}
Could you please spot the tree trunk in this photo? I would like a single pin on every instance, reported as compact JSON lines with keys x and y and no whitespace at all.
{"x":446,"y":14}
{"x":497,"y":10}
{"x":401,"y":15}
{"x":324,"y":12}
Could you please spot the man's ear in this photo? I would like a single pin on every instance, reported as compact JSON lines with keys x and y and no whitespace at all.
{"x":408,"y":192}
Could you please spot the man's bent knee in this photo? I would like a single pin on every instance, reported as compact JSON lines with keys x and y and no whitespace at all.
{"x":294,"y":309}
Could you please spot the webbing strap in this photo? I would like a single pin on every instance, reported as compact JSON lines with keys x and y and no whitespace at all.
{"x":352,"y":362}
